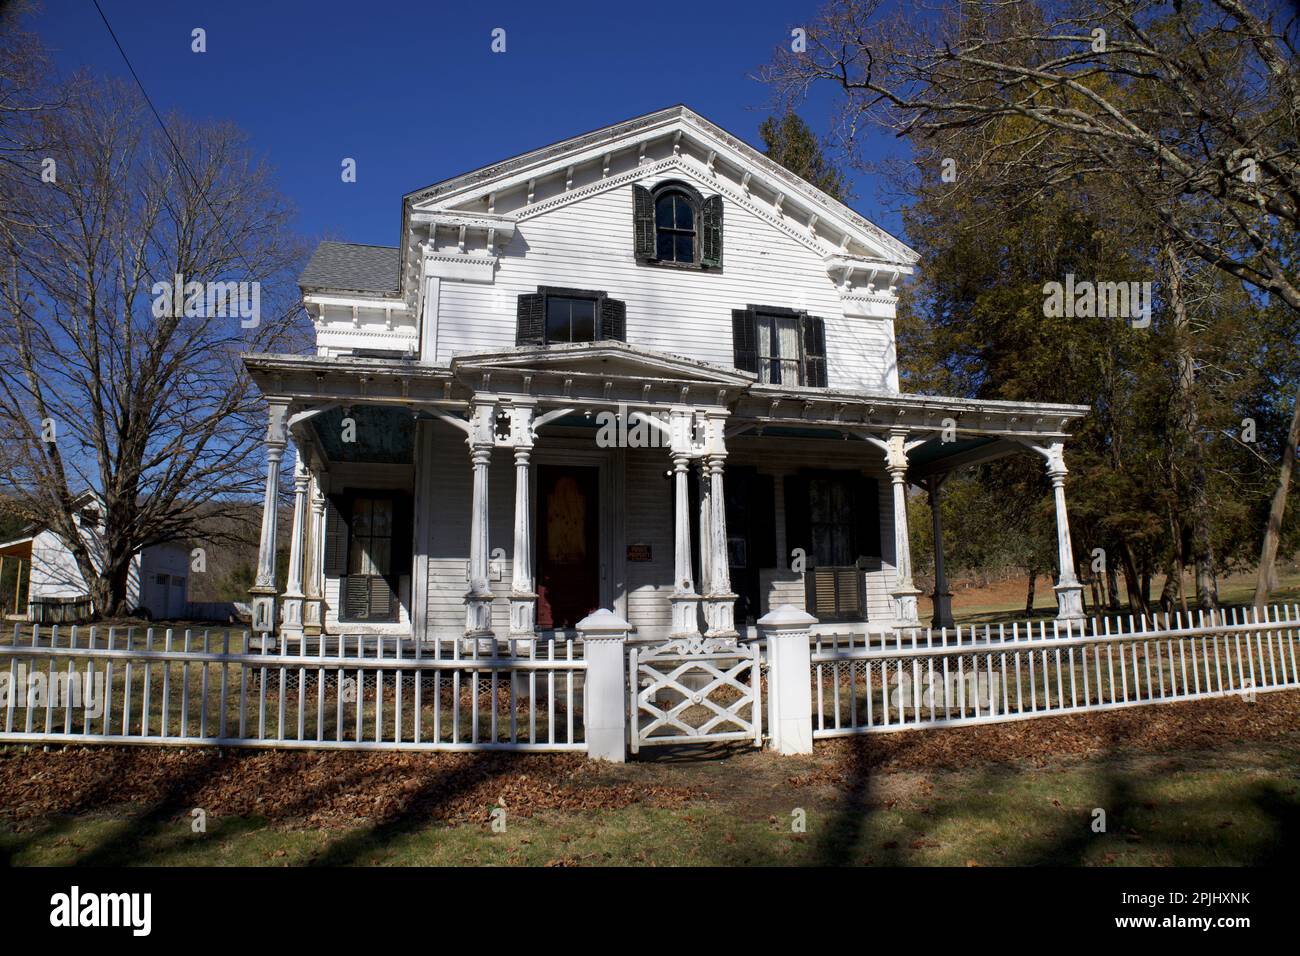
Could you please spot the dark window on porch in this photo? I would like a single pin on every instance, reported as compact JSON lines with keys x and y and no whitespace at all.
{"x":368,"y":547}
{"x":780,"y":346}
{"x":834,"y":516}
{"x":553,"y":316}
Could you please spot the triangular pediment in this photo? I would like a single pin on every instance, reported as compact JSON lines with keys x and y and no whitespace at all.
{"x":676,"y":140}
{"x":613,"y":361}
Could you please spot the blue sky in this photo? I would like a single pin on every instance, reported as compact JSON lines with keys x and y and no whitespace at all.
{"x":413,"y":91}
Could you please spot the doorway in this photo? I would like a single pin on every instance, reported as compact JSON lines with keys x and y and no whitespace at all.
{"x":568,"y":544}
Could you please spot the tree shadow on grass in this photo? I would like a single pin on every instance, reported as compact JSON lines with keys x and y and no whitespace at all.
{"x":417,"y":810}
{"x":443,"y":780}
{"x":840,"y":841}
{"x":118,"y":845}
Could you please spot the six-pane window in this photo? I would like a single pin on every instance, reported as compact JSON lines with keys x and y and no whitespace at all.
{"x":674,"y":227}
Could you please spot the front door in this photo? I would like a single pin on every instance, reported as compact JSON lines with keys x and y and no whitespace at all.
{"x":568,"y":545}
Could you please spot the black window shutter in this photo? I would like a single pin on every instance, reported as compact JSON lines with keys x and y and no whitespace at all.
{"x":383,"y":598}
{"x":866,"y":508}
{"x":797,"y":534}
{"x":530,"y":319}
{"x":643,"y":222}
{"x":711,"y":250}
{"x":356,"y":597}
{"x":814,"y":351}
{"x":613,"y":319}
{"x":337,"y":511}
{"x":403,"y":534}
{"x":762,"y":530}
{"x":744,"y":340}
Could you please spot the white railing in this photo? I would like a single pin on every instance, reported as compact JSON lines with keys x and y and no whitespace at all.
{"x":116,"y":685}
{"x":986,"y":674}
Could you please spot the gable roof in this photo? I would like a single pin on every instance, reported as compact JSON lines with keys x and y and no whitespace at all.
{"x":675,"y":120}
{"x":352,"y":267}
{"x":845,"y":236}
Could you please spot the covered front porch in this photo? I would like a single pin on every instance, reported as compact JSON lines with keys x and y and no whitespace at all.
{"x":509,"y":494}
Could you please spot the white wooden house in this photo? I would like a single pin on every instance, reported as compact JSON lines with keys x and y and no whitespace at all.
{"x":157,"y":580}
{"x":645,"y":368}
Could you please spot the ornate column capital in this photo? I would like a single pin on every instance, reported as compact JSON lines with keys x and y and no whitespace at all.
{"x":277,"y":423}
{"x":896,"y":455}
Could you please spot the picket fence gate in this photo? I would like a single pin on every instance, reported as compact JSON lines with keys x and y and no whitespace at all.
{"x":596,"y":693}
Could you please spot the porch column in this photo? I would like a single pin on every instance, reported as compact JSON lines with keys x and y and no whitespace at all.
{"x":291,"y":611}
{"x":312,"y":618}
{"x":721,"y":600}
{"x":523,"y":594}
{"x":704,"y":547}
{"x":1069,"y":592}
{"x":478,"y":600}
{"x":942,"y":596}
{"x":905,"y":592}
{"x":685,"y":601}
{"x":263,"y":590}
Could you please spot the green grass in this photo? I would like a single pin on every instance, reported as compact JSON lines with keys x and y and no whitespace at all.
{"x":1233,"y":811}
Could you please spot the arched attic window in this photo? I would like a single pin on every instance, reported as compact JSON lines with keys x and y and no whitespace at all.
{"x":674,"y":225}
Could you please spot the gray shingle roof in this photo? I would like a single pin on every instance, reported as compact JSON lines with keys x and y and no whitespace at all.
{"x":348,"y":267}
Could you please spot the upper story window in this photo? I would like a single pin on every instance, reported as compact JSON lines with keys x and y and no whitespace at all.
{"x":553,"y":316}
{"x":779,"y":354}
{"x":673,"y":225}
{"x":570,"y":319}
{"x":780,"y":346}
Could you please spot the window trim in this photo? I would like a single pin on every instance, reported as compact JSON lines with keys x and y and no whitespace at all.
{"x":696,"y":199}
{"x":697,"y":210}
{"x":774,"y":313}
{"x":597,"y":297}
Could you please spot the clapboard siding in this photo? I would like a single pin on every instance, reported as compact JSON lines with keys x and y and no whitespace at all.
{"x":649,"y":518}
{"x":448,"y":544}
{"x":588,"y":244}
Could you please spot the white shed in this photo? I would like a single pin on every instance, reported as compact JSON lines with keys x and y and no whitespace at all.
{"x":157,"y":582}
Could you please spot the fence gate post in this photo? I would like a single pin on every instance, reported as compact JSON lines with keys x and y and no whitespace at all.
{"x":603,"y":634}
{"x":789,"y":678}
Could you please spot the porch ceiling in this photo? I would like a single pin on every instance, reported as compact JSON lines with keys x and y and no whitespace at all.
{"x":383,"y":434}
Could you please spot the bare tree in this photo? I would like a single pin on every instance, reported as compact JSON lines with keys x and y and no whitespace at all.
{"x":122,"y":321}
{"x":1191,"y":109}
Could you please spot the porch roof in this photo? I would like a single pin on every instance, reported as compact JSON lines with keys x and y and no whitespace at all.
{"x":954,"y":431}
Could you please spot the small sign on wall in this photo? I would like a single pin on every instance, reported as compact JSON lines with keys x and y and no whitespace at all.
{"x":638,"y":552}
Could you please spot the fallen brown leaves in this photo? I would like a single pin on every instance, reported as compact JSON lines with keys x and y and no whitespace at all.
{"x":341,"y":789}
{"x":318,"y":790}
{"x":1191,"y":725}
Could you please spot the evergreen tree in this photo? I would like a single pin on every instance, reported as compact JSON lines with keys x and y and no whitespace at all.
{"x":788,"y":140}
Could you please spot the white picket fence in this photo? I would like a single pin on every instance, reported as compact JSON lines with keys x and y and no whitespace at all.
{"x":160,"y":687}
{"x":118,"y":685}
{"x":991,"y":673}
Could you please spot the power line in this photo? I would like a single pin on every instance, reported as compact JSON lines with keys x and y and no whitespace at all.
{"x":166,"y":132}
